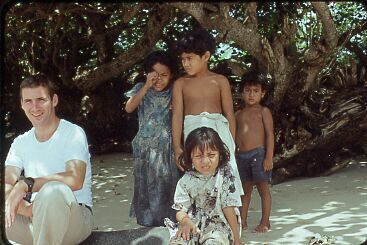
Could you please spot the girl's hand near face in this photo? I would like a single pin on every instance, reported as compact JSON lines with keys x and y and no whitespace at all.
{"x":152,"y":78}
{"x":135,"y":100}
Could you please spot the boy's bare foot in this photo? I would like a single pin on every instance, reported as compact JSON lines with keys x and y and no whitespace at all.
{"x":261,"y":229}
{"x":244,"y":226}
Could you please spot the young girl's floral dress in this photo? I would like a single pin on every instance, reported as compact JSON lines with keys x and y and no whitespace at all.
{"x":203,"y":198}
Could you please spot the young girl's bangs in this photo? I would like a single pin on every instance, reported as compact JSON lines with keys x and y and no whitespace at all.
{"x":205,"y":144}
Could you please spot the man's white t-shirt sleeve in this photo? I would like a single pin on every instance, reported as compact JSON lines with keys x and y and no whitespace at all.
{"x":77,"y":147}
{"x":14,"y":157}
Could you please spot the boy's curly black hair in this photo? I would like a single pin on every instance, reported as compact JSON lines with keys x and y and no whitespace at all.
{"x":197,"y":42}
{"x":203,"y":138}
{"x":254,"y":78}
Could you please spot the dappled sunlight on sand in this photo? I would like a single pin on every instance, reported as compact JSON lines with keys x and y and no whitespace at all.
{"x":335,"y":205}
{"x":112,"y":191}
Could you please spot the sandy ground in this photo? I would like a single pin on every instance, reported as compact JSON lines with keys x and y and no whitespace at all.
{"x":335,"y":205}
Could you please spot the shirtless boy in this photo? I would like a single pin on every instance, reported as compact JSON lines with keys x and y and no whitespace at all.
{"x":255,"y":144}
{"x":202,"y":98}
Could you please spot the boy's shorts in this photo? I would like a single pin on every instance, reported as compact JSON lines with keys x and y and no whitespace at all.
{"x":250,"y":165}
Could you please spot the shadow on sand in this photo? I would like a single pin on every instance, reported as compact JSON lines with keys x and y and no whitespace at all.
{"x":334,"y":206}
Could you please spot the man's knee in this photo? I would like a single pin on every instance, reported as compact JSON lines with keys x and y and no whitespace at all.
{"x":54,"y":191}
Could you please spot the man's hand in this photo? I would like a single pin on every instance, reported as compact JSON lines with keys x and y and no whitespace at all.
{"x":25,"y":209}
{"x":12,"y":202}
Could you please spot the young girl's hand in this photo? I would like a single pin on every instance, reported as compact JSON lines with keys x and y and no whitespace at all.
{"x":152,"y":78}
{"x":186,"y":227}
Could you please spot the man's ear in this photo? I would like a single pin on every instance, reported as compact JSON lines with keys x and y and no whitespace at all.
{"x":55,"y":100}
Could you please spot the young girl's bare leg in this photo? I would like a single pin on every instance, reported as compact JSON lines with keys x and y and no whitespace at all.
{"x":246,"y":199}
{"x":263,"y":188}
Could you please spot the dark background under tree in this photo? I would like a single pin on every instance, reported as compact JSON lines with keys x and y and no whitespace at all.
{"x":314,"y":53}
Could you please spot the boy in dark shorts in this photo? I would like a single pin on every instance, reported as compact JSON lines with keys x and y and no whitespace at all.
{"x":255,"y":144}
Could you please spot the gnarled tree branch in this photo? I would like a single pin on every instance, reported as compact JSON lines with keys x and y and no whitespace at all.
{"x":156,"y":23}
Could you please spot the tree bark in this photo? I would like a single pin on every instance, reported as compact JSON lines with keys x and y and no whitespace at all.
{"x":153,"y":31}
{"x":270,"y":53}
{"x":341,"y":125}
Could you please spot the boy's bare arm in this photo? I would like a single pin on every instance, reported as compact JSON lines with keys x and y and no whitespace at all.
{"x":177,"y":119}
{"x":269,"y":138}
{"x":236,"y":117}
{"x":227,"y":105}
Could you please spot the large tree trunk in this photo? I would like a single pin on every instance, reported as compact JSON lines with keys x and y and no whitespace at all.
{"x":312,"y":143}
{"x":306,"y":137}
{"x":271,"y":52}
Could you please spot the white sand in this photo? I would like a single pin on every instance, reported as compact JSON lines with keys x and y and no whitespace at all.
{"x":335,"y":205}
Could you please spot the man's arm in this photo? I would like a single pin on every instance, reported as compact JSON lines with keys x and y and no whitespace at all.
{"x":73,"y":176}
{"x":14,"y":203}
{"x":12,"y":174}
{"x":269,"y":138}
{"x":177,"y":119}
{"x":227,"y":105}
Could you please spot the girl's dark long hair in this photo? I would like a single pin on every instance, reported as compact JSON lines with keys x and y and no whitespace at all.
{"x":203,"y":138}
{"x":164,"y":58}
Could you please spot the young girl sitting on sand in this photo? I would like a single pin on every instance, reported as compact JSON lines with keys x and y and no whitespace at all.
{"x":205,"y":197}
{"x":155,"y":171}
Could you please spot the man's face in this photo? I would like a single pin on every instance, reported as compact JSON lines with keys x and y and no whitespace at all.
{"x":38,"y":106}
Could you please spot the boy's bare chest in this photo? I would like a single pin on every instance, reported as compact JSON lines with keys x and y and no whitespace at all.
{"x":201,"y":89}
{"x":252,"y":117}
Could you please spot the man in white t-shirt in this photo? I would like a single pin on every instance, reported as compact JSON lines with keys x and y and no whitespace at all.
{"x":52,"y":203}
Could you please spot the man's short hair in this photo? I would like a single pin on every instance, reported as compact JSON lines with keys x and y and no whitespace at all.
{"x":254,"y":78}
{"x":37,"y":81}
{"x":197,"y":42}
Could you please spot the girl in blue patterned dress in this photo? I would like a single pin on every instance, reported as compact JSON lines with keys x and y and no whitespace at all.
{"x":155,"y":171}
{"x":206,"y":199}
